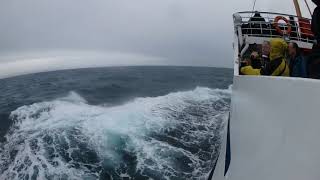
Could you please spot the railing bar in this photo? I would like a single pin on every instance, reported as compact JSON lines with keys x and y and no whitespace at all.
{"x":269,"y":13}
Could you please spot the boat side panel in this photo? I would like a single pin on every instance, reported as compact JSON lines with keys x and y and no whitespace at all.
{"x":275,"y":127}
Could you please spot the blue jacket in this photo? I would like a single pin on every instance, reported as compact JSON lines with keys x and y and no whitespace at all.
{"x":298,"y":67}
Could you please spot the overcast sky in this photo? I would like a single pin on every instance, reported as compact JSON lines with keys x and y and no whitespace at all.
{"x":59,"y":34}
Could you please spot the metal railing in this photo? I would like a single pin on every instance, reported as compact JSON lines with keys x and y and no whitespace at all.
{"x":262,"y":24}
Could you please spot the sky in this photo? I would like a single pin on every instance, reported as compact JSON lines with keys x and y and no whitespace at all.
{"x":43,"y":35}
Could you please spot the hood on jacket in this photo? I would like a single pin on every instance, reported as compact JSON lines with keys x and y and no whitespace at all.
{"x":317,"y":2}
{"x":278,"y":48}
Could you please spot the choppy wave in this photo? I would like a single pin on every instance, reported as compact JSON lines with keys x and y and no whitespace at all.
{"x":175,"y":136}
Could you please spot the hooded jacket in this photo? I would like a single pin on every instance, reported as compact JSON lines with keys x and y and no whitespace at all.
{"x":315,"y":24}
{"x":278,"y":65}
{"x":317,"y":2}
{"x":249,"y":70}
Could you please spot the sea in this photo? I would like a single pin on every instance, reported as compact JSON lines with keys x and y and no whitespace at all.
{"x":142,"y":123}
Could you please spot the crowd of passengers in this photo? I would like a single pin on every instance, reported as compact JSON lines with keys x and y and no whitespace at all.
{"x":279,"y":58}
{"x":276,"y":58}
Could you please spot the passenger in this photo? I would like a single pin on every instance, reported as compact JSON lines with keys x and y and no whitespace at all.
{"x":247,"y":69}
{"x":257,"y":23}
{"x":251,"y":65}
{"x":265,"y":53}
{"x":256,"y":64}
{"x":278,"y":65}
{"x":314,"y":59}
{"x":297,"y":65}
{"x":315,"y":24}
{"x":257,"y":18}
{"x":255,"y":60}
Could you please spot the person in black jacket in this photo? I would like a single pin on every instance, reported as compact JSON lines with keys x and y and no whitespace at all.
{"x":315,"y":24}
{"x":257,"y":23}
{"x":313,"y":64}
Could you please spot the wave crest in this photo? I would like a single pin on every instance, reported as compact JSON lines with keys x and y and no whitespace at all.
{"x":171,"y":136}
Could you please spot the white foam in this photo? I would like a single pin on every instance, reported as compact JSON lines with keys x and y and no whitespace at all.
{"x":133,"y":126}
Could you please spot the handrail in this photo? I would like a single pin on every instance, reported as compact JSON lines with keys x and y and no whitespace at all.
{"x":273,"y":13}
{"x":264,"y":26}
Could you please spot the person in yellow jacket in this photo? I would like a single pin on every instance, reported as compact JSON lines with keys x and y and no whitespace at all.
{"x":249,"y":68}
{"x":277,"y":65}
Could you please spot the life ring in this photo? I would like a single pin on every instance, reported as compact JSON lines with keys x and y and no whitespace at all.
{"x":279,"y":30}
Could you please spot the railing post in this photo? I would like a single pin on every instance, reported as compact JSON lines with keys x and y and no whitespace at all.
{"x":237,"y":20}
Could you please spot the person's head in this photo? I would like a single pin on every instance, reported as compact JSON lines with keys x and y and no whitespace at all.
{"x":293,"y":49}
{"x":278,"y":48}
{"x":255,"y":60}
{"x":246,"y":62}
{"x":257,"y":14}
{"x":266,"y":48}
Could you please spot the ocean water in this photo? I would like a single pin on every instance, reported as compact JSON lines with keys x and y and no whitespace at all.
{"x":110,"y":123}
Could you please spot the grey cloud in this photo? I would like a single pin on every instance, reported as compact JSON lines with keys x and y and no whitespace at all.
{"x":192,"y":32}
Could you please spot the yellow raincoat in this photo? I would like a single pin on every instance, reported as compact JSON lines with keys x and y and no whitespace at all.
{"x":248,"y":70}
{"x":277,"y":53}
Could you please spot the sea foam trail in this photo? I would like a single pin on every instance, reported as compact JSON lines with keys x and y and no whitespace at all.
{"x":175,"y":136}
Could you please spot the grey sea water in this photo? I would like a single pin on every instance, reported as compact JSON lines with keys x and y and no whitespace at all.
{"x":107,"y":123}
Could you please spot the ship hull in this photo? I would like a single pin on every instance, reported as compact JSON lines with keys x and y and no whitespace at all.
{"x":274,"y":130}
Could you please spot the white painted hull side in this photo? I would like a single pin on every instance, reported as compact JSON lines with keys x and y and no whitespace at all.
{"x":274,"y":130}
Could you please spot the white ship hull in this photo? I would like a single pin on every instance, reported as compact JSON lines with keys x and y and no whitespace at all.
{"x":274,"y":130}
